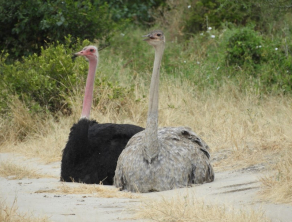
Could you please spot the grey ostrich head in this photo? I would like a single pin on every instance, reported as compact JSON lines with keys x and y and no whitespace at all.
{"x":155,"y":38}
{"x":89,"y":52}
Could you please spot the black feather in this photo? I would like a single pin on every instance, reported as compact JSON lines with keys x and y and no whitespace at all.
{"x":92,"y":151}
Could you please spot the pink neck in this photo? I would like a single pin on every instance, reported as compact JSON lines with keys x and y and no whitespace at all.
{"x":88,"y":97}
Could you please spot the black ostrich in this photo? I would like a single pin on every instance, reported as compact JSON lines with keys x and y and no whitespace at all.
{"x":92,"y":150}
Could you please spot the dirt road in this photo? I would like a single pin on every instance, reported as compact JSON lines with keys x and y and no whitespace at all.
{"x":238,"y":188}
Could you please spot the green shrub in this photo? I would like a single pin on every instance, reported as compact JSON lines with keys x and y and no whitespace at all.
{"x":138,"y":11}
{"x":41,"y":81}
{"x":244,"y":47}
{"x":26,"y":26}
{"x":266,"y":60}
{"x":201,"y":14}
{"x":276,"y":72}
{"x":45,"y":82}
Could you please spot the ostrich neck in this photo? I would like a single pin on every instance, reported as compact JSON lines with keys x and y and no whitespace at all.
{"x":151,"y":143}
{"x":88,"y":96}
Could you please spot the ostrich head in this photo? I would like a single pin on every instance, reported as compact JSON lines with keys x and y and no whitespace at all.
{"x":155,"y":38}
{"x":90,"y":52}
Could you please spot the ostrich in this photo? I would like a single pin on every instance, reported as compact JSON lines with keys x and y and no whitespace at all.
{"x":92,"y":150}
{"x":165,"y":158}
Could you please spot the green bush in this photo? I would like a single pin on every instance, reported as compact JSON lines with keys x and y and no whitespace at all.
{"x":266,"y":60}
{"x":244,"y":47}
{"x":276,"y":72}
{"x":26,"y":26}
{"x":214,"y":13}
{"x":138,"y":11}
{"x":46,"y":82}
{"x":202,"y":14}
{"x":40,"y":81}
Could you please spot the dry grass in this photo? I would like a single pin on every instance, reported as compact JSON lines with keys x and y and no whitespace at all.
{"x":11,"y":214}
{"x":12,"y":171}
{"x":21,"y":122}
{"x":188,"y":208}
{"x":92,"y":190}
{"x":251,"y":128}
{"x":47,"y":147}
{"x":278,"y":186}
{"x":32,"y":135}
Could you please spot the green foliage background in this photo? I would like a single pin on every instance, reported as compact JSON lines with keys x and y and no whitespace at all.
{"x":210,"y":43}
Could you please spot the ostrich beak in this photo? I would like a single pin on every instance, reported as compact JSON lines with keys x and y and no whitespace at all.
{"x":78,"y":53}
{"x":74,"y":55}
{"x":149,"y":37}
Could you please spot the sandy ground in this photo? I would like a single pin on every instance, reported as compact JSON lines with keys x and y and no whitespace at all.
{"x":234,"y":188}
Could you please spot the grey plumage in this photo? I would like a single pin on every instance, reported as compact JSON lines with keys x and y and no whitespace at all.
{"x":165,"y":158}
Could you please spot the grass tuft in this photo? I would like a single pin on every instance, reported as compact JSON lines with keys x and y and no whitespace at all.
{"x":277,"y":187}
{"x":11,"y":214}
{"x":189,"y":209}
{"x":12,"y":171}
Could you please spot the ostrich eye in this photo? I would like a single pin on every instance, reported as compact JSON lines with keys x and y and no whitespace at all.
{"x":158,"y":34}
{"x":91,"y":50}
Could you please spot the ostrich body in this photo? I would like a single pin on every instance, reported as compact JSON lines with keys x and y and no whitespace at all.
{"x":92,"y":150}
{"x":165,"y":158}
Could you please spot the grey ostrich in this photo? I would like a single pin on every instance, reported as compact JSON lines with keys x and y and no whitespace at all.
{"x":165,"y":158}
{"x":91,"y":153}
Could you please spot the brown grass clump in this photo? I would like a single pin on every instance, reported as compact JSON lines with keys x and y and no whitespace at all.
{"x":11,"y":214}
{"x":30,"y":134}
{"x":47,"y":147}
{"x":20,"y":122}
{"x":278,"y":186}
{"x":15,"y":172}
{"x":92,"y":190}
{"x":188,"y":209}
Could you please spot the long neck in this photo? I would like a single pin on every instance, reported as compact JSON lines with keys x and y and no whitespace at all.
{"x":151,"y":143}
{"x":88,"y":96}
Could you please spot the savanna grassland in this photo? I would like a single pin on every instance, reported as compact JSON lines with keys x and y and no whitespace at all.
{"x":231,"y":83}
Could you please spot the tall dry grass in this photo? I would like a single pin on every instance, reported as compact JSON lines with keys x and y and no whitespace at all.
{"x":189,"y":209}
{"x":251,"y":128}
{"x":277,"y":187}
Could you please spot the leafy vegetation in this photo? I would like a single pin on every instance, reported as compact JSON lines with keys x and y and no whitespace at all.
{"x":206,"y":44}
{"x":245,"y":46}
{"x":40,"y":81}
{"x":29,"y":25}
{"x":45,"y":82}
{"x":199,"y":15}
{"x":26,"y":26}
